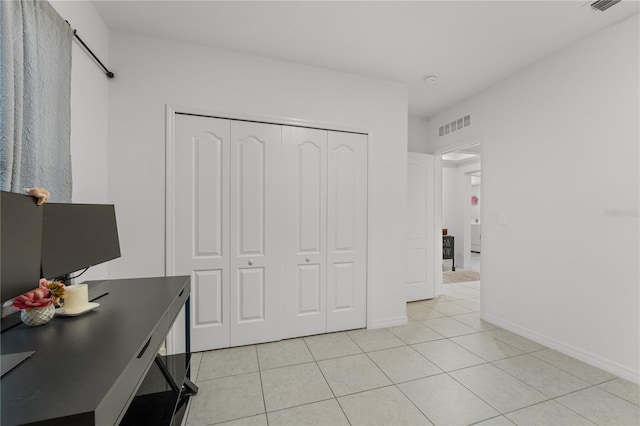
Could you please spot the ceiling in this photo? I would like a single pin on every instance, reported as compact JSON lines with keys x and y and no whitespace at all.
{"x":468,"y":45}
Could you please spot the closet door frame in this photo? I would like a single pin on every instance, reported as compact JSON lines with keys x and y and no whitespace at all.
{"x":178,"y":338}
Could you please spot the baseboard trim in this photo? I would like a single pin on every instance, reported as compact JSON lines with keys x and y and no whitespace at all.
{"x":388,"y":322}
{"x":582,"y":355}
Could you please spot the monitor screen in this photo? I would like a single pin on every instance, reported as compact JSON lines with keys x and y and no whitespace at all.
{"x":77,"y":236}
{"x":20,"y":235}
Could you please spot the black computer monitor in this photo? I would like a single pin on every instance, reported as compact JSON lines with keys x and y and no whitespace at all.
{"x":77,"y":236}
{"x":20,"y":239}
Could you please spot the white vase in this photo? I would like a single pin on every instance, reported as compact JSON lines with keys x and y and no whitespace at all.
{"x":37,"y":316}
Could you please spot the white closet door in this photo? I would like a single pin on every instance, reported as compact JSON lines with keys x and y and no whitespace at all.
{"x":346,"y":231}
{"x":255,"y":281}
{"x":420,"y":228}
{"x":201,"y":224}
{"x":304,"y":232}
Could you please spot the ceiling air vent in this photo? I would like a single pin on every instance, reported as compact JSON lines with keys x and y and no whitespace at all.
{"x":603,"y":5}
{"x":454,"y":126}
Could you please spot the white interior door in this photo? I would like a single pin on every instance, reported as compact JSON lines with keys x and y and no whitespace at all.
{"x":420,"y":227}
{"x":201,"y":224}
{"x":304,"y":233}
{"x":255,"y":279}
{"x":346,"y":231}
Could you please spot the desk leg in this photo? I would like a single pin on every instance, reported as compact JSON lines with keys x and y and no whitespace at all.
{"x":187,"y":322}
{"x":190,"y":388}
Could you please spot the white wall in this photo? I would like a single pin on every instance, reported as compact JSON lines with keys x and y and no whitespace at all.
{"x":560,"y":160}
{"x":89,"y":107}
{"x":154,"y":72}
{"x":419,"y":129}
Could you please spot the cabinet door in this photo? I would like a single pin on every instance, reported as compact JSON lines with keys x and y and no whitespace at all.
{"x":201,"y":224}
{"x":346,"y":231}
{"x":255,"y":281}
{"x":304,"y":232}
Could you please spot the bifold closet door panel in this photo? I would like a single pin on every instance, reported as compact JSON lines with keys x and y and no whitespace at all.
{"x":201,"y":224}
{"x":346,"y":231}
{"x":304,"y":234}
{"x":255,"y":222}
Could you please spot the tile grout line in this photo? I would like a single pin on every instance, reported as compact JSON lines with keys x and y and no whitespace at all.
{"x":532,"y":387}
{"x":264,"y":402}
{"x":581,"y":390}
{"x":326,"y":381}
{"x":405,"y":344}
{"x":195,"y":380}
{"x":611,"y":393}
{"x":472,"y":366}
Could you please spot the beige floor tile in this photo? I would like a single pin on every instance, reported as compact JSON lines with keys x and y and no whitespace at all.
{"x":451,"y":308}
{"x":332,"y":345}
{"x":259,"y":420}
{"x":461,"y":292}
{"x":415,"y":332}
{"x":496,"y":421}
{"x":544,"y":377}
{"x":601,"y":407}
{"x":448,"y":355}
{"x":294,"y":385}
{"x":403,"y":363}
{"x":500,"y":390}
{"x":318,"y":413}
{"x":375,"y":339}
{"x":486,"y":346}
{"x":423,"y":312}
{"x":283,"y":353}
{"x":226,"y":398}
{"x":519,"y":342}
{"x":472,"y":304}
{"x":194,"y":365}
{"x":571,"y":365}
{"x":473,"y":320}
{"x":228,"y":362}
{"x":385,"y":406}
{"x":548,"y":413}
{"x":624,"y":389}
{"x":448,"y":327}
{"x":446,"y":402}
{"x":355,"y":373}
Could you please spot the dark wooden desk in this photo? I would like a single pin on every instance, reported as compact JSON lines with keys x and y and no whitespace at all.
{"x":86,"y":369}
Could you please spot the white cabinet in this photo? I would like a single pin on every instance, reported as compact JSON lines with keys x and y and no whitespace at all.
{"x":270,"y":223}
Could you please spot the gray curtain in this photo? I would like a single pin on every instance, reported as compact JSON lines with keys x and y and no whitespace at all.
{"x":35,"y":108}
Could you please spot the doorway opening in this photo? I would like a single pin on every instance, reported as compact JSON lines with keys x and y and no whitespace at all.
{"x":462,"y":225}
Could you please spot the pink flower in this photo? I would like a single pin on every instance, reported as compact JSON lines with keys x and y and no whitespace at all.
{"x":38,"y":298}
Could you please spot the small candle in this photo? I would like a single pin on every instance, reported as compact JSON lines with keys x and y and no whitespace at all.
{"x":76,"y":298}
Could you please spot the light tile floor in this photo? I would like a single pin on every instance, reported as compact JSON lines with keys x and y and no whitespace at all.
{"x":445,"y":367}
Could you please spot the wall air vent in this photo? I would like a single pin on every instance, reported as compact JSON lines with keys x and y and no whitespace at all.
{"x":454,"y":126}
{"x":603,"y":5}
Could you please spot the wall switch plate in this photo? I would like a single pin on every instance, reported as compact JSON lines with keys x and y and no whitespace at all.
{"x":502,"y":219}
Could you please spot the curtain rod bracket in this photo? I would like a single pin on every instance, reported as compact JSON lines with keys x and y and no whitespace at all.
{"x":108,"y":73}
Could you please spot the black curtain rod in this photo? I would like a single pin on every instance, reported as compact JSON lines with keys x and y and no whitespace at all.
{"x":106,"y":71}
